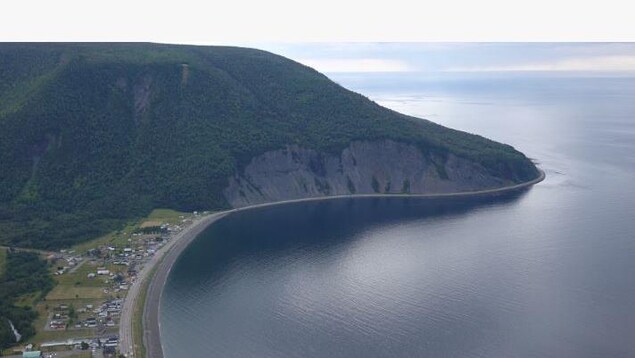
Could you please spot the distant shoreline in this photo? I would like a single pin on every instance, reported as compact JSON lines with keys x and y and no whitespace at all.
{"x":165,"y":262}
{"x":486,"y":192}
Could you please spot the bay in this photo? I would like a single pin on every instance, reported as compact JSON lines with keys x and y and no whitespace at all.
{"x":546,"y":273}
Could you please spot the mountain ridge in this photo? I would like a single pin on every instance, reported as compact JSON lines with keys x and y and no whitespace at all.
{"x":97,"y":134}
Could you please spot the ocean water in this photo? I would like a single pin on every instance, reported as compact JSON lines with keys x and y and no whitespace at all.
{"x":546,"y":273}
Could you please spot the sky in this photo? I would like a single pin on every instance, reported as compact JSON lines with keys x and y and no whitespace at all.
{"x":345,"y":36}
{"x":460,"y":57}
{"x":244,"y":21}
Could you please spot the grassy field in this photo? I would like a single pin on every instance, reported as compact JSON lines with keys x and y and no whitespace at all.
{"x":166,"y":215}
{"x":150,"y":223}
{"x":163,"y":216}
{"x":66,"y":292}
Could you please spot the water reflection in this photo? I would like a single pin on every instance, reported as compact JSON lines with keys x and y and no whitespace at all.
{"x":545,"y":273}
{"x":317,"y":224}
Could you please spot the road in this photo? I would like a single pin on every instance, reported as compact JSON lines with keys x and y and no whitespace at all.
{"x":173,"y":249}
{"x":126,"y":342}
{"x":22,"y":249}
{"x":151,"y":323}
{"x":74,"y":268}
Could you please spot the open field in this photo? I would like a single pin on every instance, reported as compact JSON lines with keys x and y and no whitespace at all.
{"x":62,"y":335}
{"x":163,"y":216}
{"x":166,"y":215}
{"x":65,"y":292}
{"x":150,"y":223}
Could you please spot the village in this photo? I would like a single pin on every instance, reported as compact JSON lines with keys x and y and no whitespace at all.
{"x":80,"y":316}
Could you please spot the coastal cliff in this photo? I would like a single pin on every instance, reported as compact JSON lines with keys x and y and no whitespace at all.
{"x":95,"y":135}
{"x":364,"y":167}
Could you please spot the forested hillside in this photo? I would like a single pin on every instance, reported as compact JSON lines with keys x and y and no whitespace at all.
{"x":27,"y":274}
{"x":97,"y":134}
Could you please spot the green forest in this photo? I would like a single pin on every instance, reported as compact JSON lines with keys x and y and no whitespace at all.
{"x":28,"y":274}
{"x":95,"y":135}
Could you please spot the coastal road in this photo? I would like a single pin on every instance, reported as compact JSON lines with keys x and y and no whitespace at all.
{"x":150,"y":318}
{"x":126,"y":342}
{"x":151,"y":323}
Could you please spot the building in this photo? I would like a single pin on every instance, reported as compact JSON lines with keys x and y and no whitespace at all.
{"x":109,"y":351}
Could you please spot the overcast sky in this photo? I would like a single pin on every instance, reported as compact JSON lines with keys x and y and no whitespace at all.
{"x":319,"y":33}
{"x":239,"y":21}
{"x":461,"y":57}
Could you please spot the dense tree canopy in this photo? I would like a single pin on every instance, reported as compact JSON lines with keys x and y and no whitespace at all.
{"x":96,"y":134}
{"x":25,"y":273}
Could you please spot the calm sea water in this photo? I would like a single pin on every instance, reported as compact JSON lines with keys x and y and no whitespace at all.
{"x":547,"y":273}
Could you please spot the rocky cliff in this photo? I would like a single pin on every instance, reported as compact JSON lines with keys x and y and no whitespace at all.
{"x":95,"y":135}
{"x":364,"y":167}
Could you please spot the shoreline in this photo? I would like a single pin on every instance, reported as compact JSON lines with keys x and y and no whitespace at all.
{"x":164,"y":261}
{"x":150,"y":271}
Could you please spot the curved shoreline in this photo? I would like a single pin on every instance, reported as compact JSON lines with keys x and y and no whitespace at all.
{"x":165,"y":261}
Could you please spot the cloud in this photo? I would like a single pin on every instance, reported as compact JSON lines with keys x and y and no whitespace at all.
{"x":615,"y":63}
{"x":357,"y":65}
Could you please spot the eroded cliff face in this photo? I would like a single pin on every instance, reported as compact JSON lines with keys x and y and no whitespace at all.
{"x":362,"y":168}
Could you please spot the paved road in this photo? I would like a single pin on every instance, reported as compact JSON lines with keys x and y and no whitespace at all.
{"x":152,"y":305}
{"x":151,"y":324}
{"x":126,"y":343}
